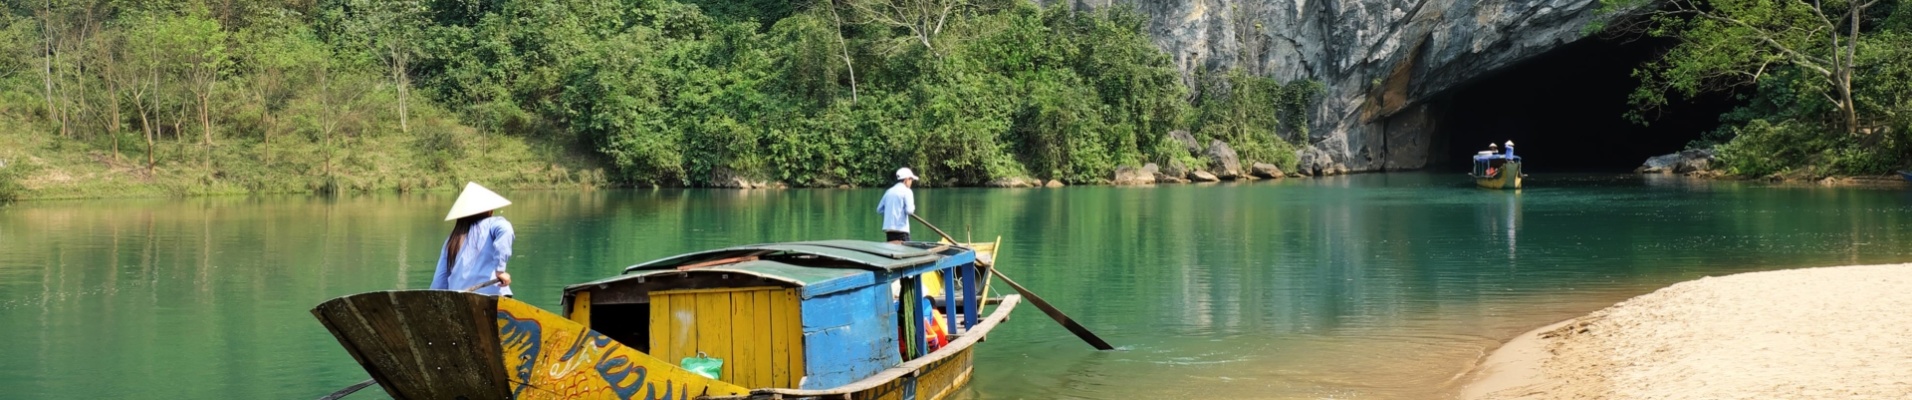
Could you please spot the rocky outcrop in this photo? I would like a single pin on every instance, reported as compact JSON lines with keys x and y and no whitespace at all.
{"x":1014,"y":182}
{"x":1222,"y":160}
{"x":1313,"y":161}
{"x":1382,"y":61}
{"x":1203,"y":176}
{"x":1187,"y":140}
{"x":727,"y":179}
{"x":1266,"y":170}
{"x":1175,"y":170}
{"x":1053,"y":183}
{"x":1684,"y":162}
{"x":1161,"y":174}
{"x":1130,"y":175}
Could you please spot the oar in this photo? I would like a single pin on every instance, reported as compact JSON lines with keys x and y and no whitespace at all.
{"x":1055,"y":314}
{"x":348,"y":390}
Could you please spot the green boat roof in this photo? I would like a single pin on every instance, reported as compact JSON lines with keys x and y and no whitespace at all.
{"x":819,"y":267}
{"x":876,"y":256}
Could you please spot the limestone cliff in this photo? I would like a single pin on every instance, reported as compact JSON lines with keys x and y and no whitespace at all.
{"x":1382,"y":60}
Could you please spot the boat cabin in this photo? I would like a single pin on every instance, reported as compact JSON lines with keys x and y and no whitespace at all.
{"x":801,"y":315}
{"x":1489,"y":164}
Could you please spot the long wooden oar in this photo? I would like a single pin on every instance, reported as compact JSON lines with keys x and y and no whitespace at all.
{"x":1055,"y":314}
{"x":349,"y":390}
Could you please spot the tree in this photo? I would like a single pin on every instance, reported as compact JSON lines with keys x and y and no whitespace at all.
{"x":924,"y":19}
{"x":1729,"y":43}
{"x":199,"y":47}
{"x":391,"y":28}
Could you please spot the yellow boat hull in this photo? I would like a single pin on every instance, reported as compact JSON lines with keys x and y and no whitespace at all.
{"x":1508,"y":178}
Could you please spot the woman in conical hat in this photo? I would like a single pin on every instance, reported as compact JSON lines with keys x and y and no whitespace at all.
{"x":480,"y":244}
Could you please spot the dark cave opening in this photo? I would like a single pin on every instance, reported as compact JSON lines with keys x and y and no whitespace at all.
{"x":1565,"y":111}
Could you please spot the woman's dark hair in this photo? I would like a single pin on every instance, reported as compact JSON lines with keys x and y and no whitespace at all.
{"x":457,"y":239}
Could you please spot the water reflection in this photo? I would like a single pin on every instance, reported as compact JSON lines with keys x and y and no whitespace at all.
{"x":1367,"y":286}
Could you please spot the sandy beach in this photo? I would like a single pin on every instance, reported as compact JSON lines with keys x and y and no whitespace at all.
{"x":1817,"y":333}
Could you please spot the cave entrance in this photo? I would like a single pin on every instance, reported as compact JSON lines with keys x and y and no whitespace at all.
{"x":1565,"y":111}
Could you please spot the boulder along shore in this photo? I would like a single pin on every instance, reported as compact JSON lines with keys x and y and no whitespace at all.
{"x":1815,"y":333}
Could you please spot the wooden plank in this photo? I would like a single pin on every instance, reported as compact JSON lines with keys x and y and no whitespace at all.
{"x":970,"y":308}
{"x":744,"y":355}
{"x":717,"y":262}
{"x":421,"y":344}
{"x":793,"y":305}
{"x":783,"y":319}
{"x":713,"y":290}
{"x":760,"y":335}
{"x":661,"y":328}
{"x":581,"y":308}
{"x":949,"y":310}
{"x":683,"y":319}
{"x":713,"y":329}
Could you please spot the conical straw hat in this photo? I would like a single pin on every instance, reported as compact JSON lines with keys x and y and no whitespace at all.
{"x":475,"y":199}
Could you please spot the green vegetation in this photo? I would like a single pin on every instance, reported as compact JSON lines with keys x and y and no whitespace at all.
{"x":1827,"y":80}
{"x":182,"y":97}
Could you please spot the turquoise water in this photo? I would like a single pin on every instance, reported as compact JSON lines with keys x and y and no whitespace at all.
{"x":1386,"y":286}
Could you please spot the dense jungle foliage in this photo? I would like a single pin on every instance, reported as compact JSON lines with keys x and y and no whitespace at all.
{"x":1827,"y":84}
{"x":192,"y":96}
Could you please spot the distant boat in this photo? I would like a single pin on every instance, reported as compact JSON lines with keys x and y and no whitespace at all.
{"x":1497,"y":170}
{"x":787,"y":320}
{"x":1906,"y":174}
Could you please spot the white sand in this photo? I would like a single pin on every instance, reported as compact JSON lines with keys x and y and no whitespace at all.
{"x":1820,"y":333}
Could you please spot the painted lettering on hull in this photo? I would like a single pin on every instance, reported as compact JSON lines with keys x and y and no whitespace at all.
{"x":590,"y":365}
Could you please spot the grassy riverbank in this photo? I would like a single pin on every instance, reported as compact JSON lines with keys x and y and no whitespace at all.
{"x":38,"y":166}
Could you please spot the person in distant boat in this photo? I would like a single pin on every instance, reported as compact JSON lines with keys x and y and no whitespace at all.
{"x":480,"y":244}
{"x":1493,"y":148}
{"x":897,"y":205}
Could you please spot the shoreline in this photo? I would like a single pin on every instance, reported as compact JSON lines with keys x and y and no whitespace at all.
{"x":1826,"y":332}
{"x":143,"y":191}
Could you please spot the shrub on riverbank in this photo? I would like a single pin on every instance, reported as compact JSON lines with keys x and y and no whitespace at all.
{"x":1825,"y":85}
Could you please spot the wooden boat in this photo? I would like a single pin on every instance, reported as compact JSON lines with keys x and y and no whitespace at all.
{"x":1907,"y":175}
{"x":788,"y":320}
{"x":1497,"y":170}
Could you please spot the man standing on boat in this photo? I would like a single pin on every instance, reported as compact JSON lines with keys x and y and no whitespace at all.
{"x":897,"y":205}
{"x":474,"y":256}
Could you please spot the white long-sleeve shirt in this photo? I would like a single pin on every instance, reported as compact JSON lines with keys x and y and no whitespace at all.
{"x":897,"y":205}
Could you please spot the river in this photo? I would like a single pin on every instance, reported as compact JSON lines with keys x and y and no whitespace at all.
{"x":1379,"y":286}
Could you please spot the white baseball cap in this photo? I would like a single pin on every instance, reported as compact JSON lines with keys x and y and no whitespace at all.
{"x":904,"y":173}
{"x":475,"y":199}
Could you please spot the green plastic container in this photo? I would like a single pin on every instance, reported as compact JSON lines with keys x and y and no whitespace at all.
{"x":712,"y":368}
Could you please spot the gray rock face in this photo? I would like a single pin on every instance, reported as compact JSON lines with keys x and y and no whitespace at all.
{"x":1223,"y":160}
{"x":1130,"y":175}
{"x":1381,"y":60}
{"x":1683,"y":162}
{"x":1267,"y":170}
{"x":1203,"y":176}
{"x":1175,"y":170}
{"x":1014,"y":182}
{"x":1187,"y":140}
{"x":1054,"y":183}
{"x":726,"y":179}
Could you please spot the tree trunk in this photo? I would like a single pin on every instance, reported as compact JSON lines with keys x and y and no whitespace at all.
{"x":404,"y":89}
{"x":46,"y":73}
{"x":205,"y":114}
{"x":1845,"y":81}
{"x":847,"y":62}
{"x":113,"y":110}
{"x":146,"y":125}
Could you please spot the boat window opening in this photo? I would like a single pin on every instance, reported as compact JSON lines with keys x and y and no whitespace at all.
{"x":629,"y":324}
